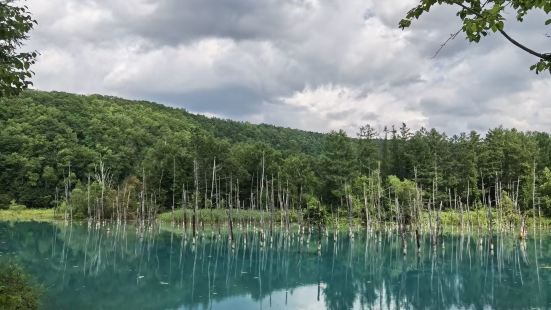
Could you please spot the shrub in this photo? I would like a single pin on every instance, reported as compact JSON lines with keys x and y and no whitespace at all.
{"x":316,"y":213}
{"x":16,"y":289}
{"x":14,"y":206}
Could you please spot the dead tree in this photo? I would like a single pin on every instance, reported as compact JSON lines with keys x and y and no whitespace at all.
{"x":103,"y":177}
{"x":196,"y":206}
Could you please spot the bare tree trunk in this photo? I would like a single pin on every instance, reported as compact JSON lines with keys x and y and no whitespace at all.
{"x":497,"y":198}
{"x":539,"y":212}
{"x":88,"y":197}
{"x":534,"y":194}
{"x":127,"y":205}
{"x":280,"y":201}
{"x":103,"y":176}
{"x":260,"y":200}
{"x":349,"y":203}
{"x":416,"y":206}
{"x":230,"y":206}
{"x":400,"y":226}
{"x":237,"y":200}
{"x":434,"y":190}
{"x":184,"y":202}
{"x":213,"y":182}
{"x":143,"y":196}
{"x":218,"y":189}
{"x":468,"y":210}
{"x":116,"y":203}
{"x":366,"y":208}
{"x":196,"y":206}
{"x":379,"y":193}
{"x":287,"y":208}
{"x":173,"y":188}
{"x":272,"y":202}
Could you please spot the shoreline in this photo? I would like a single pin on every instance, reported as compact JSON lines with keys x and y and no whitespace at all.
{"x":450,"y":220}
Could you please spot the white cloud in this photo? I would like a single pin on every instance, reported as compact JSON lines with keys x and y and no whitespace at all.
{"x":338,"y":107}
{"x":316,"y":65}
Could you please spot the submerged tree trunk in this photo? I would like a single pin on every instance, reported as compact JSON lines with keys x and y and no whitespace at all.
{"x":196,"y":206}
{"x":379,"y":193}
{"x":184,"y":206}
{"x":230,"y":207}
{"x":349,"y":203}
{"x":173,"y":188}
{"x":534,"y":195}
{"x":366,"y":208}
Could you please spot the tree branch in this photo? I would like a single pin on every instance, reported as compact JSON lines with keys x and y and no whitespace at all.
{"x":524,"y":48}
{"x":509,"y":38}
{"x":452,"y":37}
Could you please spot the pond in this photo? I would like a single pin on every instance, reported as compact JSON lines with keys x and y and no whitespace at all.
{"x":120,"y":267}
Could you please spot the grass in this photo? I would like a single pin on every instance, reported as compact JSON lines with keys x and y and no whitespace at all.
{"x":17,"y":290}
{"x":219,"y":215}
{"x":210,"y":216}
{"x":39,"y":215}
{"x":479,"y":218}
{"x":448,"y":217}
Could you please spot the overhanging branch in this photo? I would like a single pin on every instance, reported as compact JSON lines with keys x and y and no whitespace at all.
{"x":523,"y":47}
{"x":509,"y":38}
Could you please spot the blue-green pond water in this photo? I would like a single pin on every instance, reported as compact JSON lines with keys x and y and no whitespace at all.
{"x":115,"y":267}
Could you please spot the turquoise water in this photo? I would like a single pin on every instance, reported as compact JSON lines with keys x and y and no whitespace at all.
{"x":118,"y":268}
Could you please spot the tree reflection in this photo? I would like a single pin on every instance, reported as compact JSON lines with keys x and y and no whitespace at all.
{"x":118,"y":266}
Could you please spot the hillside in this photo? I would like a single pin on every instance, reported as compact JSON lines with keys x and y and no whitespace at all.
{"x":53,"y":146}
{"x":280,"y":138}
{"x":43,"y":134}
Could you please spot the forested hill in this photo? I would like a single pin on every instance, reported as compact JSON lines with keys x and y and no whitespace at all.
{"x":280,"y":138}
{"x":41,"y":133}
{"x":53,"y":144}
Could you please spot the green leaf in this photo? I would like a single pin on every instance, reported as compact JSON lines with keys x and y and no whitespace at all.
{"x":404,"y":23}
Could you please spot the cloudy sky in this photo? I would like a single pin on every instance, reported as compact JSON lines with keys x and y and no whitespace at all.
{"x":310,"y":64}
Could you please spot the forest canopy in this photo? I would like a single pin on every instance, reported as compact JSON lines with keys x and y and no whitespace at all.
{"x":53,"y":143}
{"x":15,"y":72}
{"x":480,"y":18}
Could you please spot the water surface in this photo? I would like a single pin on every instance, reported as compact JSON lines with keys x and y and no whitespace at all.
{"x":117,"y":267}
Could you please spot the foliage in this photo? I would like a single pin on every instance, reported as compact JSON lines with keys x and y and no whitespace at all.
{"x":545,"y":190}
{"x":337,"y":163}
{"x":16,"y":289}
{"x":368,"y":149}
{"x":14,"y":206}
{"x":404,"y":190}
{"x":42,"y":215}
{"x":316,"y":213}
{"x":479,"y":18}
{"x":404,"y":195}
{"x":15,"y":70}
{"x":220,"y":216}
{"x":53,"y":141}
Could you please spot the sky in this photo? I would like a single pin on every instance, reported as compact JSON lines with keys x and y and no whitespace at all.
{"x":316,"y":65}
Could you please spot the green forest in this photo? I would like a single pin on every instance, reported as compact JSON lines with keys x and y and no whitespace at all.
{"x":85,"y":152}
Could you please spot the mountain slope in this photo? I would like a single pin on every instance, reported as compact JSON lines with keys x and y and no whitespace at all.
{"x":44,"y":135}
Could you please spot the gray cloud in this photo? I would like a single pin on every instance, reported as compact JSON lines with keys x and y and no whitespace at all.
{"x":232,"y":102}
{"x":311,"y":64}
{"x":174,"y":22}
